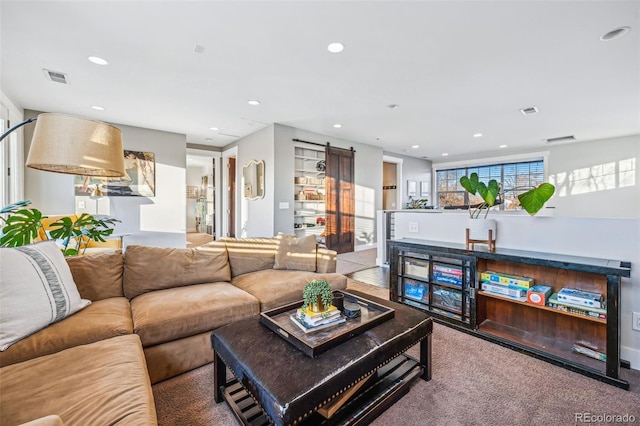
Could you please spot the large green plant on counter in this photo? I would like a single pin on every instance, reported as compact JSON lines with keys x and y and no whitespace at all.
{"x":488,"y":192}
{"x":22,"y":227}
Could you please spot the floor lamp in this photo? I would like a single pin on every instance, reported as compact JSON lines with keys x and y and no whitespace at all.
{"x":74,"y":145}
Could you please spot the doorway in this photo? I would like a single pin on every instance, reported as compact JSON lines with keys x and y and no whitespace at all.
{"x":229,"y":194}
{"x":340,"y":200}
{"x":203,"y":198}
{"x":391,"y":183}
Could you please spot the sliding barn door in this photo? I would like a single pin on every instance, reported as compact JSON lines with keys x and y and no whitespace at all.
{"x":340,"y":202}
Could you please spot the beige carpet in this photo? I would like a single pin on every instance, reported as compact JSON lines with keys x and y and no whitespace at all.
{"x":474,"y":383}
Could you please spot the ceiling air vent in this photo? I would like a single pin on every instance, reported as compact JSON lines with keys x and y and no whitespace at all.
{"x":562,"y":139}
{"x":529,"y":111}
{"x":56,"y":76}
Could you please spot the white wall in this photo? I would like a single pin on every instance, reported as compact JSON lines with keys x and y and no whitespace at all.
{"x":255,"y":218}
{"x":607,"y":238}
{"x":596,"y":179}
{"x":367,"y":176}
{"x":160,"y":220}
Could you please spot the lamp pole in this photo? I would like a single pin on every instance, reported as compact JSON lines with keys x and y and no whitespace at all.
{"x":17,"y":126}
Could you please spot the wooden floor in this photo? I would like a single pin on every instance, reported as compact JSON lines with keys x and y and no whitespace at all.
{"x":377,"y":276}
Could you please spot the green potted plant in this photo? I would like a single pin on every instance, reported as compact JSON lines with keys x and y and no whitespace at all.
{"x":317,"y":296}
{"x":534,"y":199}
{"x":22,"y":227}
{"x":478,"y":225}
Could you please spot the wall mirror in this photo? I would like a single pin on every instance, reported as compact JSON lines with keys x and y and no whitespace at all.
{"x":253,"y":179}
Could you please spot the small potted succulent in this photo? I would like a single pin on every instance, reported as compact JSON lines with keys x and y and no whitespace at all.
{"x":317,"y":296}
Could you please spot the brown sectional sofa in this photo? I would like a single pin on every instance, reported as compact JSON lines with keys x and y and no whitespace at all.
{"x":151,"y":316}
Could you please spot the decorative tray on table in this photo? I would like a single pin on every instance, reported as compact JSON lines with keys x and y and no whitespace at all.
{"x":312,"y":344}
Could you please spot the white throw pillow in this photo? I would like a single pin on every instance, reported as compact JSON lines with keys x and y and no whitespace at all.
{"x":36,"y":289}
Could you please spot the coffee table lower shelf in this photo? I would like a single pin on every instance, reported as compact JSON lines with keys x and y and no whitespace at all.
{"x":387,"y":385}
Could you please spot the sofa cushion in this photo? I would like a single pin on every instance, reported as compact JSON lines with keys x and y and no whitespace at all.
{"x":100,"y":320}
{"x":250,"y":254}
{"x":166,"y":315}
{"x":149,"y":268}
{"x":36,"y":289}
{"x":102,"y":383}
{"x":276,"y":287}
{"x":98,"y":276}
{"x":52,"y":420}
{"x":298,"y":254}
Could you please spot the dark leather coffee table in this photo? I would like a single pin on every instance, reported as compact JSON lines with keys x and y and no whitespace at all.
{"x":277,"y":383}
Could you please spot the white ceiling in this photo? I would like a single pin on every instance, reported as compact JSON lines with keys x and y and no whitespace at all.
{"x":455,"y":68}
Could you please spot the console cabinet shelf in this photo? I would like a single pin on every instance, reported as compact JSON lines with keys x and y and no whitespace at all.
{"x":541,"y":331}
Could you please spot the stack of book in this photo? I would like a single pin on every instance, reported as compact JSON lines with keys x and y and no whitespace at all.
{"x":447,"y":274}
{"x":311,"y":322}
{"x":511,"y":286}
{"x":588,"y":307}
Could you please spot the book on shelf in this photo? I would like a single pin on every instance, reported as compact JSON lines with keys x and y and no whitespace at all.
{"x":512,"y":292}
{"x":580,"y":297}
{"x":588,"y":350}
{"x":507,"y":279}
{"x":447,"y":278}
{"x":564,"y":306}
{"x":307,"y":328}
{"x":454,"y":270}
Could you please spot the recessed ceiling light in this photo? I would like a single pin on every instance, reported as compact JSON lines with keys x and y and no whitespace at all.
{"x":614,"y":34}
{"x":335,"y":47}
{"x":97,"y":60}
{"x":393,"y":106}
{"x":337,"y":126}
{"x":444,"y":154}
{"x":502,"y":146}
{"x":98,"y":108}
{"x":253,"y":102}
{"x":215,"y":129}
{"x":415,"y":146}
{"x":477,"y":135}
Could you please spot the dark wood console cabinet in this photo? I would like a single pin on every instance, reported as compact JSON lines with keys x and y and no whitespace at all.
{"x":416,"y":279}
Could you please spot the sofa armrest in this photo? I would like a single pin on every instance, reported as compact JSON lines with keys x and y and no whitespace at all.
{"x":326,"y":260}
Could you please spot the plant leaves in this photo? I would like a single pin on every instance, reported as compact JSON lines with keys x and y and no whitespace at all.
{"x":470,"y":183}
{"x":533,"y":200}
{"x":21,"y":228}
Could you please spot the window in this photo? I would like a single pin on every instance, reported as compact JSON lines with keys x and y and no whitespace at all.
{"x":513,"y":178}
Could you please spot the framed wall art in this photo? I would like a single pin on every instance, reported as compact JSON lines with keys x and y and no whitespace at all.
{"x":139,"y":179}
{"x":412,"y":188}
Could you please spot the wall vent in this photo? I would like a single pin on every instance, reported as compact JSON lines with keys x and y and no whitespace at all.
{"x":529,"y":111}
{"x":56,"y":76}
{"x":562,"y":139}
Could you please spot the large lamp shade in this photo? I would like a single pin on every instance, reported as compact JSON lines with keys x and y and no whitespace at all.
{"x":74,"y":145}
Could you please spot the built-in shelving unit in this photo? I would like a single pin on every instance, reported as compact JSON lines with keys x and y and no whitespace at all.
{"x":539,"y":330}
{"x":309,"y":191}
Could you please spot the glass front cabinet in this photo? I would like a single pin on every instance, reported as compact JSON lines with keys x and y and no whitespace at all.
{"x":563,"y":309}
